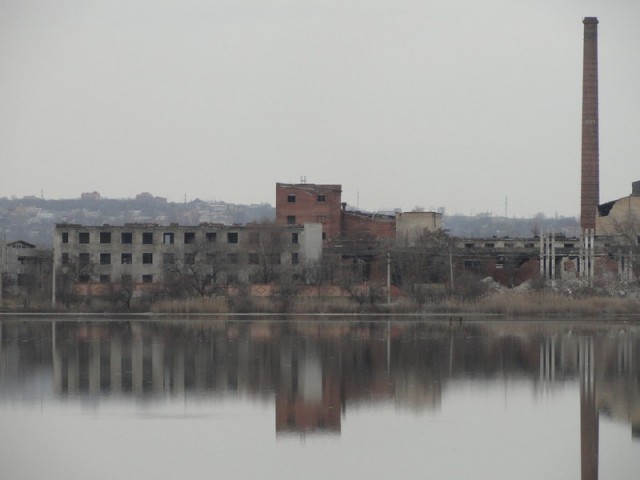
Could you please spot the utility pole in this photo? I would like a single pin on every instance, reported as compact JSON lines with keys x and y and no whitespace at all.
{"x":388,"y":278}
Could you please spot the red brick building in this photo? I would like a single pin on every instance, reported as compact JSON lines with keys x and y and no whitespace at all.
{"x":308,"y":202}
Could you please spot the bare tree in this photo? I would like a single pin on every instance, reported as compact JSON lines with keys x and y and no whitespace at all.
{"x":266,"y":245}
{"x":73,"y":270}
{"x":195,"y":273}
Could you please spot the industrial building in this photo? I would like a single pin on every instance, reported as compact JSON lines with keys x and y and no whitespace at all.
{"x":149,"y":256}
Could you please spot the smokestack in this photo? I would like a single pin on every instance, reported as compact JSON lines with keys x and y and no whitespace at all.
{"x":590,"y":188}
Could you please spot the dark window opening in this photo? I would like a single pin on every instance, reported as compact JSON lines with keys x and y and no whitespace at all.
{"x":65,"y":258}
{"x":232,"y":237}
{"x":126,"y":279}
{"x":105,"y":259}
{"x":294,"y":237}
{"x":233,"y":258}
{"x":84,"y":259}
{"x":291,"y":198}
{"x":253,"y":259}
{"x":254,"y":238}
{"x":291,"y":219}
{"x":189,"y":258}
{"x":126,"y":237}
{"x":147,"y":238}
{"x":105,"y":237}
{"x":295,"y":258}
{"x":189,"y":237}
{"x":147,"y":278}
{"x":83,"y":237}
{"x":211,"y":237}
{"x":168,"y":259}
{"x":322,"y":198}
{"x":126,"y":259}
{"x":147,"y":258}
{"x":105,"y":278}
{"x":65,"y":237}
{"x":84,"y":278}
{"x":324,"y":235}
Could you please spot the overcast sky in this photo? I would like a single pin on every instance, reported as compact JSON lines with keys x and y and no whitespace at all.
{"x":434,"y":103}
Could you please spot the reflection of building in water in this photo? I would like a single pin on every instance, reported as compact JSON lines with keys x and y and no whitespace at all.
{"x":316,"y":371}
{"x":307,"y":399}
{"x":589,"y":425}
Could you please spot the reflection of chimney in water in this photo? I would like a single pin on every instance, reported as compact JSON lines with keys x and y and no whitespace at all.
{"x":588,"y":411}
{"x":590,"y":183}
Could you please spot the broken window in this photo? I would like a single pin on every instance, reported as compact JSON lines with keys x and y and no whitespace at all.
{"x":295,"y":258}
{"x":84,"y":278}
{"x":489,"y":245}
{"x":65,"y":258}
{"x":105,"y":259}
{"x":84,"y":259}
{"x":253,"y":259}
{"x":469,"y":245}
{"x":147,"y":258}
{"x":232,"y":237}
{"x":126,"y":259}
{"x":291,"y":198}
{"x":83,"y":237}
{"x":167,"y":238}
{"x":147,"y":278}
{"x":189,"y":237}
{"x":291,"y":219}
{"x":126,"y":237}
{"x":294,"y":237}
{"x":211,"y":237}
{"x":324,"y":235}
{"x":65,"y":237}
{"x":147,"y":238}
{"x":105,"y":237}
{"x":105,"y":278}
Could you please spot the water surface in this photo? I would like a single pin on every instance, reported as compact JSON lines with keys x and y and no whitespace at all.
{"x":313,"y":399}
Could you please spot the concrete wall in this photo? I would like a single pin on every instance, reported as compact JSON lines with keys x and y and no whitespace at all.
{"x":411,"y":225}
{"x":624,"y":216}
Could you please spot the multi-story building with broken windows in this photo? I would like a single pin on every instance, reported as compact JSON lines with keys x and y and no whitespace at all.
{"x":148,"y":256}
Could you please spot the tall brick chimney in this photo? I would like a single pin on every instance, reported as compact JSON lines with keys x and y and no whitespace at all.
{"x":590,"y":187}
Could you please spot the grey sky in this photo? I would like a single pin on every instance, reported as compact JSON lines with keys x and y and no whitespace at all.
{"x":404,"y":102}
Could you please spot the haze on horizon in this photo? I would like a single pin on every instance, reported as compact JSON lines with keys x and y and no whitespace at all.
{"x":404,"y":102}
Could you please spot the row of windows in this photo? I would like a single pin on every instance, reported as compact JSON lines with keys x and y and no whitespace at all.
{"x":291,"y":198}
{"x":126,"y":279}
{"x":169,"y":238}
{"x":170,"y":258}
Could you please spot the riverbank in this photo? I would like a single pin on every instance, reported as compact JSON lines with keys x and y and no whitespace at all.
{"x":520,"y":304}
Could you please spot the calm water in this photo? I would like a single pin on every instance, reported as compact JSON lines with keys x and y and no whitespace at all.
{"x":309,"y":399}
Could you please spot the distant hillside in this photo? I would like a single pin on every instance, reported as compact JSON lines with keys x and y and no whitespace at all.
{"x":488,"y":226}
{"x":32,"y":219}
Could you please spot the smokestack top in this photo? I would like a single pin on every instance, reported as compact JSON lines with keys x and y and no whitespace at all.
{"x":590,"y":20}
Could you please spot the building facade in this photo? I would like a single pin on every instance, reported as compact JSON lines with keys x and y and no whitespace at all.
{"x":151,"y":255}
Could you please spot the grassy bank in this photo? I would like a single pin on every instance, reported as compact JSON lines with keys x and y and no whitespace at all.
{"x":530,"y":303}
{"x":527,"y":303}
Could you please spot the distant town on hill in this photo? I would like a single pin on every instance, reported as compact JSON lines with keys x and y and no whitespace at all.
{"x":32,"y":219}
